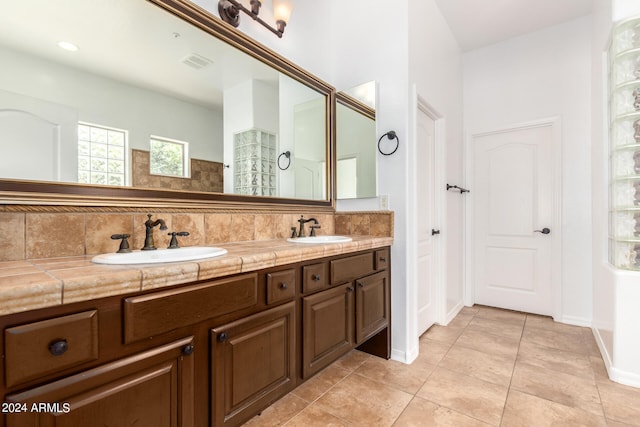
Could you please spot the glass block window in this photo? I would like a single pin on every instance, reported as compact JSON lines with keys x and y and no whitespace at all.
{"x":169,"y":157}
{"x":101,"y":155}
{"x":254,"y":153}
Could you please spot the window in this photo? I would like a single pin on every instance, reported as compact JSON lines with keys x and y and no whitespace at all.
{"x":101,"y":155}
{"x":168,"y":157}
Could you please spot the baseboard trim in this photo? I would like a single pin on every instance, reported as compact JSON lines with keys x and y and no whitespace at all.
{"x":453,"y":312}
{"x":404,"y":357}
{"x":576,"y":321}
{"x":615,"y":374}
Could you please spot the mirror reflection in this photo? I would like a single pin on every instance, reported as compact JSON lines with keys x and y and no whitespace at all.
{"x":356,"y":159}
{"x":123,"y":93}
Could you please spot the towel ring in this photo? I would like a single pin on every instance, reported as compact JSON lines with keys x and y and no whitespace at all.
{"x":287,"y":154}
{"x":390,"y":135}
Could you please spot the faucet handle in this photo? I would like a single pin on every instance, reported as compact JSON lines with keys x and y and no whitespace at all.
{"x":173,"y":244}
{"x":293,"y":233}
{"x":124,"y":244}
{"x":313,"y":229}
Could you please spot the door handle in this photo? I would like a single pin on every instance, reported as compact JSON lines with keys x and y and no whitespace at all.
{"x":543,"y":231}
{"x":434,"y":231}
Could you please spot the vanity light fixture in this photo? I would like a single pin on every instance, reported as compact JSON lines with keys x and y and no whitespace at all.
{"x":229,"y":11}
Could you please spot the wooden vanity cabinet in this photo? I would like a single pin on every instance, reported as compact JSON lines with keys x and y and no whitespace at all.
{"x":355,"y":308}
{"x":252,"y":364}
{"x":209,"y":353}
{"x":153,"y":388}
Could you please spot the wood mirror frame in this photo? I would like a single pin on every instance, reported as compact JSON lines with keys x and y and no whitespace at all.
{"x":24,"y":192}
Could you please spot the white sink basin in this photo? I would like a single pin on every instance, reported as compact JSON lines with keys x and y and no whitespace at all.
{"x":320,"y":239}
{"x":190,"y":253}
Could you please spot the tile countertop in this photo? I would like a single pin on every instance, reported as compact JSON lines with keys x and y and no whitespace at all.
{"x":40,"y":283}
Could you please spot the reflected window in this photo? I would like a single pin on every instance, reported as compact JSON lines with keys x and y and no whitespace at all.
{"x":101,"y":155}
{"x":168,"y":157}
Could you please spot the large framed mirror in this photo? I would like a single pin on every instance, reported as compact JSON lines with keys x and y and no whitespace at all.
{"x":154,"y":102}
{"x":356,"y":155}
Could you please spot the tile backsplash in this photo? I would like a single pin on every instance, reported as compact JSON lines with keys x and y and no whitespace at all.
{"x":32,"y":235}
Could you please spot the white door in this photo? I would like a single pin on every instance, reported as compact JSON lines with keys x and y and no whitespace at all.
{"x":512,"y":215}
{"x":425,"y":227}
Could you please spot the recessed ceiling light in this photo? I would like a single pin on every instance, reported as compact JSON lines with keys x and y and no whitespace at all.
{"x":68,"y":46}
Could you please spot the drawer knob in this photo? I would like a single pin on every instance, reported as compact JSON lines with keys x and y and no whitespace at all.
{"x":188,"y":349}
{"x":283,"y":285}
{"x":58,"y":348}
{"x":382,"y":259}
{"x":316,"y":277}
{"x":222,"y":337}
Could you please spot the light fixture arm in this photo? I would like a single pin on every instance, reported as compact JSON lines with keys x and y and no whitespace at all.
{"x":229,"y":11}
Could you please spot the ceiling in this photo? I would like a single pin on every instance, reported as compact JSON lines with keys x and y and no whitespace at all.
{"x":479,"y":23}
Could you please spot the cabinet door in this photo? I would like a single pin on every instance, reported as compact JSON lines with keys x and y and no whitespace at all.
{"x":327,"y":327}
{"x":154,"y":388}
{"x":253,"y":364}
{"x":372,"y":305}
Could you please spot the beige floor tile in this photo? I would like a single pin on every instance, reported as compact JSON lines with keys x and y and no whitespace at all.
{"x":432,"y":351}
{"x":444,"y":334}
{"x":501,"y":315}
{"x":364,"y":402}
{"x":352,"y":360}
{"x":525,"y":410}
{"x":556,"y":360}
{"x":599,"y":369}
{"x":470,"y":310}
{"x":548,"y":324}
{"x":621,"y":403}
{"x":421,"y":412}
{"x":558,"y":387}
{"x":481,"y":340}
{"x":278,"y":413}
{"x":555,"y":339}
{"x":498,"y":327}
{"x":408,"y":378}
{"x":460,"y":321}
{"x":313,"y":416}
{"x":321,"y":383}
{"x":470,"y":396}
{"x":488,"y":367}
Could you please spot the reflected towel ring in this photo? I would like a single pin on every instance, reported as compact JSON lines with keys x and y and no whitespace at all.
{"x":287,"y":154}
{"x":390,"y":135}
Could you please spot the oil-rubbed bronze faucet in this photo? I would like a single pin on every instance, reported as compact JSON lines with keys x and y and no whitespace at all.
{"x":149,"y":245}
{"x":303,"y":221}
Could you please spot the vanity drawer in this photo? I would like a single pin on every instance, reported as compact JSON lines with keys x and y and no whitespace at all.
{"x":345,"y":269}
{"x":314,"y":277}
{"x":42,"y":348}
{"x":159,"y":312}
{"x":381,"y":259}
{"x":281,"y":286}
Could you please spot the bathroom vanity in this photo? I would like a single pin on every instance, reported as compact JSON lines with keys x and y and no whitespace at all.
{"x":215,"y":351}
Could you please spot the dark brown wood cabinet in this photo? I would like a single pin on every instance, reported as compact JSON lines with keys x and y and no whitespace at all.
{"x":153,"y":388}
{"x":207,"y":353}
{"x":328,"y":319}
{"x":252,"y":364}
{"x":356,"y":308}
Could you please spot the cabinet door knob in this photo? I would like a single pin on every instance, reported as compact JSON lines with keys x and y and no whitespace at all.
{"x":188,"y":349}
{"x":360,"y":285}
{"x":222,"y":337}
{"x":58,"y":348}
{"x":382,"y":259}
{"x":350,"y":289}
{"x":283,"y":285}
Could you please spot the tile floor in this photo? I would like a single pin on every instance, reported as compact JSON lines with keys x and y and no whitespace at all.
{"x":488,"y":367}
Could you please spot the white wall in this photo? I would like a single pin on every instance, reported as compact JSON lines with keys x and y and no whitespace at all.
{"x":111,"y":103}
{"x":521,"y":80}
